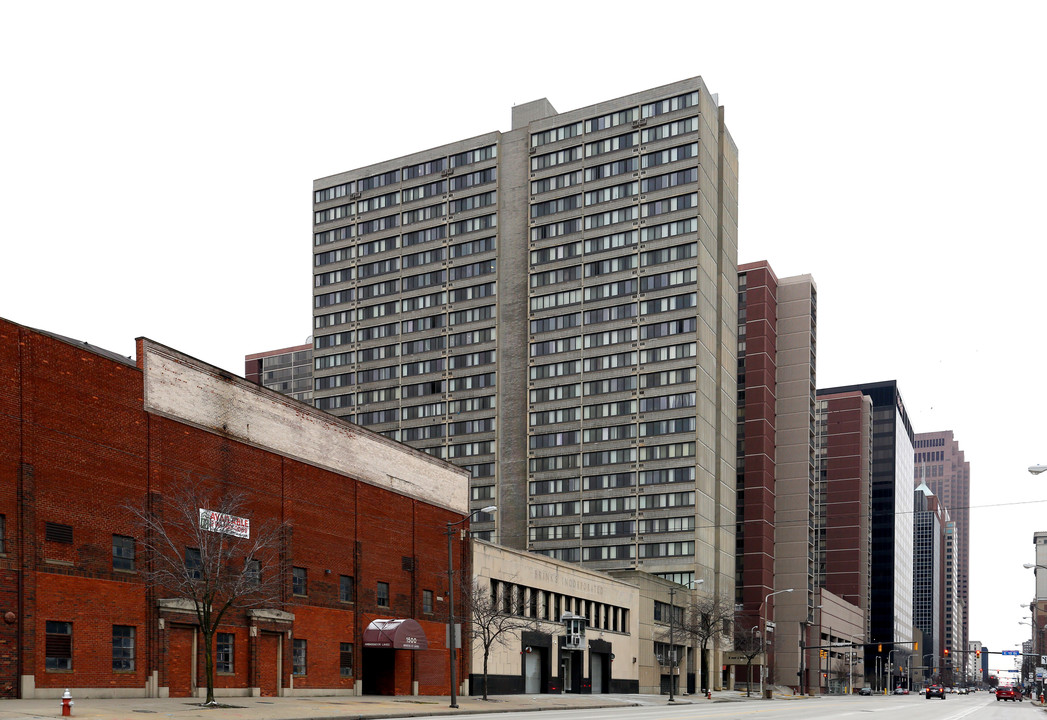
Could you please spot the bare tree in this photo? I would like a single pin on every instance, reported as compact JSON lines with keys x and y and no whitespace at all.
{"x":751,"y":646}
{"x":495,"y":619}
{"x":200,"y":546}
{"x":708,"y":618}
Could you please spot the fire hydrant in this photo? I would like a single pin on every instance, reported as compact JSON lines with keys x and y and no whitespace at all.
{"x":709,"y":694}
{"x":67,"y":703}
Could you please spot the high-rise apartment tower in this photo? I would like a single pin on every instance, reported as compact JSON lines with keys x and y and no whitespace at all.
{"x":554,"y":308}
{"x":777,"y":332}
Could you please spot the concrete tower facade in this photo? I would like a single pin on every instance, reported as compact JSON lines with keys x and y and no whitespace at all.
{"x":553,"y":308}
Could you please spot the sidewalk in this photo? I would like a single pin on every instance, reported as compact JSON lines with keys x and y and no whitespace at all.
{"x":338,"y":707}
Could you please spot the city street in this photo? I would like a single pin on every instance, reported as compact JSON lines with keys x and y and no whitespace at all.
{"x":979,"y":706}
{"x":724,"y":706}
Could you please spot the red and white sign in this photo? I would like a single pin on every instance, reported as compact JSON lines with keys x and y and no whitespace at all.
{"x":222,"y":523}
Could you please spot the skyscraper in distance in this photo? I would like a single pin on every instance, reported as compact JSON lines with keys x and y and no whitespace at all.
{"x":554,"y":308}
{"x":940,"y":464}
{"x":929,"y":521}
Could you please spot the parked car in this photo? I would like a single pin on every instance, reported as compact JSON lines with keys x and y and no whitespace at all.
{"x":1008,"y":692}
{"x":962,"y":691}
{"x":866,"y":691}
{"x":901,"y":690}
{"x":935,"y":691}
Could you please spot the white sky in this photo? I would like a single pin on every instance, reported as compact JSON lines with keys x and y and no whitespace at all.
{"x":157,"y":165}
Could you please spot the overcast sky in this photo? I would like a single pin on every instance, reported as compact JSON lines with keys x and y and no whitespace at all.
{"x":158,"y":161}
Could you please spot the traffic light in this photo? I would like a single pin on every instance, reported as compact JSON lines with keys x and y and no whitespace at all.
{"x":978,"y":653}
{"x":915,"y":646}
{"x":879,"y":648}
{"x":947,"y":651}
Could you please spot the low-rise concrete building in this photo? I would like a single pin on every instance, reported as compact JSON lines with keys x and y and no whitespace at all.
{"x":661,"y":658}
{"x":539,"y":654}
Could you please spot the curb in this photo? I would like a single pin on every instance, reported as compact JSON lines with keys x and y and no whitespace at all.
{"x":465,"y":711}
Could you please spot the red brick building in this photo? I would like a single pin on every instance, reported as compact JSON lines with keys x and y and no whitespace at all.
{"x":85,"y":434}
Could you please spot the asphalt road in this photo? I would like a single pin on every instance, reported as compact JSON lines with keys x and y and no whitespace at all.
{"x":979,"y":706}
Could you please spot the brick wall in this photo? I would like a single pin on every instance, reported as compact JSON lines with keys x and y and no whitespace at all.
{"x":77,"y":448}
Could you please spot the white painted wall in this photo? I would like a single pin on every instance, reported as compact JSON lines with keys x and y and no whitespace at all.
{"x":190,"y":391}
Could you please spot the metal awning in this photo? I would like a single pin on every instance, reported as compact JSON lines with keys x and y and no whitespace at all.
{"x":401,"y":634}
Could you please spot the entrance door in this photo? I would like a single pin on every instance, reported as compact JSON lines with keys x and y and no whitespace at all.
{"x":533,"y":672}
{"x":379,"y":671}
{"x":180,"y":659}
{"x":596,"y":671}
{"x":566,"y":667}
{"x":269,"y":664}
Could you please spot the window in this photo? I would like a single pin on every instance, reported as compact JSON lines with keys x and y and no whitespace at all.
{"x":123,"y":648}
{"x":382,"y":596}
{"x":377,"y":181}
{"x":540,"y":162}
{"x":330,"y":236}
{"x":193,"y":564}
{"x":123,"y":552}
{"x":253,"y":571}
{"x":474,"y":156}
{"x":556,"y":182}
{"x":224,"y":653}
{"x":58,"y":645}
{"x":299,"y":581}
{"x":472,"y":202}
{"x":560,"y":133}
{"x":612,"y":120}
{"x":345,"y":659}
{"x":298,"y":652}
{"x":425,"y":168}
{"x":480,"y":177}
{"x":427,"y":601}
{"x":345,"y":588}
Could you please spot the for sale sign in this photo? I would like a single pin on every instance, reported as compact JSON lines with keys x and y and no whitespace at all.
{"x":222,"y":523}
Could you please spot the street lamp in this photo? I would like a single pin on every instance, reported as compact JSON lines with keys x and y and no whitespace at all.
{"x":764,"y":669}
{"x":890,"y":663}
{"x":752,"y":643}
{"x":450,"y":597}
{"x":672,"y":625}
{"x":1037,"y":469}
